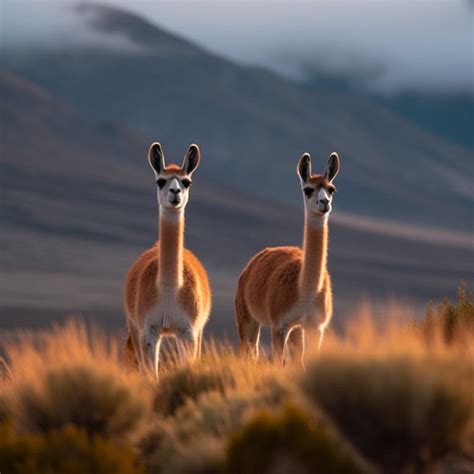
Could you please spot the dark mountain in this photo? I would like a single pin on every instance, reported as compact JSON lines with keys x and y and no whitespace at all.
{"x":78,"y":205}
{"x":449,"y":115}
{"x":253,"y":125}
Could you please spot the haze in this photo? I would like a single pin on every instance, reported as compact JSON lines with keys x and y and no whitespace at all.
{"x":387,"y":46}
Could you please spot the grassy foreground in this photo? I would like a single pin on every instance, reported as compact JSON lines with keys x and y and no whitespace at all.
{"x":396,"y":397}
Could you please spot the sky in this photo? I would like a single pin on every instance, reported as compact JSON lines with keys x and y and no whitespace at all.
{"x":387,"y":45}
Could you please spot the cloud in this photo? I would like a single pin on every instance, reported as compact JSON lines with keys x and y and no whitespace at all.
{"x":58,"y":24}
{"x":388,"y":45}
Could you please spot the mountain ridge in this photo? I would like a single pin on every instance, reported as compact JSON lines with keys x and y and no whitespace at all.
{"x":253,"y":125}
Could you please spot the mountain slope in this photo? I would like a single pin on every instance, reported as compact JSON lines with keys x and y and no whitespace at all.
{"x":253,"y":125}
{"x":449,"y":115}
{"x":78,"y":205}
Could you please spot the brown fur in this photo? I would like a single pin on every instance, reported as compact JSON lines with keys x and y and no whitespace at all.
{"x":141,"y":291}
{"x":270,"y":269}
{"x":318,"y":180}
{"x":269,"y":285}
{"x":288,"y":289}
{"x":173,"y":169}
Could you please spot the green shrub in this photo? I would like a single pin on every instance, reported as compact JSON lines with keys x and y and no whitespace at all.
{"x":68,"y":450}
{"x":98,"y":401}
{"x":289,"y":442}
{"x":401,"y":412}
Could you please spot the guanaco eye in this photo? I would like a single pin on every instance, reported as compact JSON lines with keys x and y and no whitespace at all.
{"x":161,"y":182}
{"x":186,"y":182}
{"x":331,"y":191}
{"x":308,"y":191}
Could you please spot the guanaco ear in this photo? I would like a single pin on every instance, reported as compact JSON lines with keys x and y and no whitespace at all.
{"x":156,"y":157}
{"x":332,"y":167}
{"x":192,"y":158}
{"x":304,"y":167}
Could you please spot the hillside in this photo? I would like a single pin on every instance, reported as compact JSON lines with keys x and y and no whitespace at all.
{"x":78,"y":205}
{"x":447,"y":114}
{"x":252,"y":124}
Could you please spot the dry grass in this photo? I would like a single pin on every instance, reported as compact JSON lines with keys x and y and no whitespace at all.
{"x":453,"y":323}
{"x":401,"y":392}
{"x":220,"y":370}
{"x":391,"y":397}
{"x":68,"y":377}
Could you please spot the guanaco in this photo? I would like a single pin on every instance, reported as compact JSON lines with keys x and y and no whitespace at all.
{"x":289,"y":288}
{"x":167,"y":291}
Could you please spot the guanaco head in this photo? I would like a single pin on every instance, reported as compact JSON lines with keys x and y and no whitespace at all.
{"x":318,"y":190}
{"x":173,"y":181}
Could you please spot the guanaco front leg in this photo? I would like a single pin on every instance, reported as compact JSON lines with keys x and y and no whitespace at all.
{"x":296,"y":343}
{"x":279,"y":337}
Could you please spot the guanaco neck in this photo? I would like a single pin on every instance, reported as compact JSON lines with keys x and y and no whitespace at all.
{"x":171,"y":245}
{"x":315,"y":249}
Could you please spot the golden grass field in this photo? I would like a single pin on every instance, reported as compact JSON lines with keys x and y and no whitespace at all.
{"x":396,"y":397}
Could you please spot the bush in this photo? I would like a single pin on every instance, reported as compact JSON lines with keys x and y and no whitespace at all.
{"x":5,"y":372}
{"x":4,"y":409}
{"x":189,"y":382}
{"x":66,"y":377}
{"x":220,"y":370}
{"x":65,"y":451}
{"x":85,"y":397}
{"x":401,"y":412}
{"x":453,"y":322}
{"x":289,"y":442}
{"x":193,"y":440}
{"x":399,"y":401}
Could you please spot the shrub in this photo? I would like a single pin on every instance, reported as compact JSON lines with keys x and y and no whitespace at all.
{"x":399,"y":411}
{"x":88,"y":398}
{"x":162,"y":451}
{"x":5,"y":372}
{"x":189,"y":382}
{"x":193,"y":440}
{"x":68,"y":378}
{"x":453,"y":322}
{"x":220,"y":370}
{"x":68,"y":450}
{"x":401,"y":402}
{"x":289,"y":442}
{"x":4,"y":409}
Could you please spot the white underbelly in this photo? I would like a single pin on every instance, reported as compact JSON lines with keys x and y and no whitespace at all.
{"x":168,"y":316}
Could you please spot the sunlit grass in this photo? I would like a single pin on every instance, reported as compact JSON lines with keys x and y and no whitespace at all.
{"x":390,"y":396}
